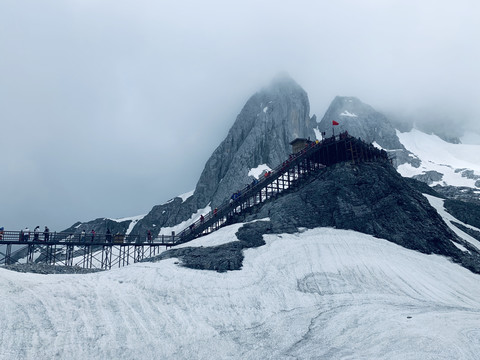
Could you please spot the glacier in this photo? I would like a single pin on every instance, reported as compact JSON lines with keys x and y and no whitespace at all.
{"x":319,"y":293}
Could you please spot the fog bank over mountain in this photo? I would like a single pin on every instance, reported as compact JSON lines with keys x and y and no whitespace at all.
{"x":95,"y":95}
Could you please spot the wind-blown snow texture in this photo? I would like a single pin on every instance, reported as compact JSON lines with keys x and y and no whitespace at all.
{"x":323,"y":294}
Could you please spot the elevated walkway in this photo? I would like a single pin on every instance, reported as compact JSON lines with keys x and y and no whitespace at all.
{"x":106,"y":251}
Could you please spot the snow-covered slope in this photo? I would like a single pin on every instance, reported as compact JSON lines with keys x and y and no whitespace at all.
{"x":459,"y":164}
{"x":322,"y":293}
{"x":438,"y":204}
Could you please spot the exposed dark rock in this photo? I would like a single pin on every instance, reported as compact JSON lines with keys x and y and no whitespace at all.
{"x":173,"y":212}
{"x":468,"y":213}
{"x":49,"y":269}
{"x":405,"y":156}
{"x":429,"y":177}
{"x":220,"y":258}
{"x":469,"y":174}
{"x":473,"y":233}
{"x":422,"y":187}
{"x":369,"y":198}
{"x":462,"y":193}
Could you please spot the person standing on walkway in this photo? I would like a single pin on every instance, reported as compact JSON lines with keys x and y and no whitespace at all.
{"x":93,"y":235}
{"x":46,"y":234}
{"x":82,"y":236}
{"x":26,"y":234}
{"x":108,"y":236}
{"x":36,"y":233}
{"x":149,"y":236}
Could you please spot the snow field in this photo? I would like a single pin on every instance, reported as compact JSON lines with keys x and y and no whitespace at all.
{"x":439,"y":155}
{"x":322,"y":293}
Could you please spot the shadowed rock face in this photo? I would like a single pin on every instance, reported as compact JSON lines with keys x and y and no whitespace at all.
{"x":374,"y":199}
{"x":371,"y":198}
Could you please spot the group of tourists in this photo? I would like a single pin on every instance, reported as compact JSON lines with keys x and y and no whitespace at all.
{"x":38,"y":235}
{"x":25,"y":234}
{"x":83,"y":235}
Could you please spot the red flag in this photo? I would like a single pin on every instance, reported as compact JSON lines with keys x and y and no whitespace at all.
{"x":335,"y":123}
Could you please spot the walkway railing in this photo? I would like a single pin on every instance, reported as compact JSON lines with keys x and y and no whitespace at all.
{"x":107,"y":250}
{"x":313,"y":157}
{"x":15,"y":237}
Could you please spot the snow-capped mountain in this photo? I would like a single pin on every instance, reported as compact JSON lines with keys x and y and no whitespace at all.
{"x":441,"y":163}
{"x":259,"y":140}
{"x":357,"y":262}
{"x":453,"y":168}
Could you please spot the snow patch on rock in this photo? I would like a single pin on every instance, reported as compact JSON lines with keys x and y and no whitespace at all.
{"x":256,"y":172}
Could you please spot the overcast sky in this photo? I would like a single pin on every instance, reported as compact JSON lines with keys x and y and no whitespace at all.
{"x":110,"y":107}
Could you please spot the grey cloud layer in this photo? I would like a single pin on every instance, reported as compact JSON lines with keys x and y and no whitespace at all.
{"x":108,"y":108}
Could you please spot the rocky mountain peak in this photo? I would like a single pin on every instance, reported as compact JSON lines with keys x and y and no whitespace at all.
{"x":363,"y":121}
{"x":261,"y":134}
{"x":360,"y":120}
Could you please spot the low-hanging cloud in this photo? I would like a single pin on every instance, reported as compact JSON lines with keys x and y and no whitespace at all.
{"x":109,"y":108}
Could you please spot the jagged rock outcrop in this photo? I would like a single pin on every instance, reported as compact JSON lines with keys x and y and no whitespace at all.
{"x":461,"y":193}
{"x":363,"y":121}
{"x":261,"y":134}
{"x":371,"y":198}
{"x":100,"y":226}
{"x":429,"y":177}
{"x":467,"y":212}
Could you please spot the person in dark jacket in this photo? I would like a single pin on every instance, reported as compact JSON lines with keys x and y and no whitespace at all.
{"x":108,"y":236}
{"x":46,"y":234}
